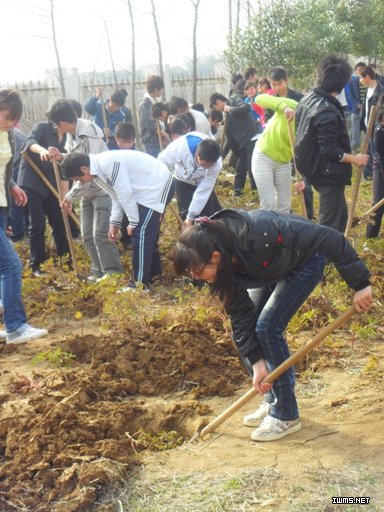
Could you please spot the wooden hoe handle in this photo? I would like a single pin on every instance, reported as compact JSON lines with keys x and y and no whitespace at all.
{"x":293,"y":359}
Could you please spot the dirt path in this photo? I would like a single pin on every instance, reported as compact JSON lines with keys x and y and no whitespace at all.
{"x":69,"y":435}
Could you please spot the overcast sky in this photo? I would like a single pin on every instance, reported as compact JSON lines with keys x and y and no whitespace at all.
{"x":27,"y":45}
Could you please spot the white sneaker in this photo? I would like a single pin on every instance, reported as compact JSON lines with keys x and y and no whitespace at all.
{"x":1,"y":304}
{"x":25,"y":334}
{"x":253,"y":419}
{"x":126,"y":289}
{"x":271,"y":429}
{"x":3,"y":335}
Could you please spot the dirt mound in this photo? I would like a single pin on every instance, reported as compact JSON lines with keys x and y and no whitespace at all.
{"x":76,"y":432}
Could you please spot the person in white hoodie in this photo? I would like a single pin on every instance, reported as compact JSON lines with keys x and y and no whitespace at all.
{"x":196,"y":164}
{"x":84,"y":136}
{"x":141,"y":186}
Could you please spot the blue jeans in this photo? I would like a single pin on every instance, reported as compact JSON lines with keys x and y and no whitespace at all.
{"x":275,"y":306}
{"x":10,"y":284}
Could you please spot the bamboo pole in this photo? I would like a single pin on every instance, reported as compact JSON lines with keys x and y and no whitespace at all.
{"x":71,"y":244}
{"x":223,"y":134}
{"x":283,"y":367}
{"x":46,"y":181}
{"x":359,"y":174}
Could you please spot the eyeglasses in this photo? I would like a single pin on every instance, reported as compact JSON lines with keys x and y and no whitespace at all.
{"x":196,"y":274}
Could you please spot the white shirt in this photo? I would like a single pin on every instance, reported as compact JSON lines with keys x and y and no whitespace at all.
{"x":131,"y":178}
{"x":202,"y":123}
{"x":178,"y":155}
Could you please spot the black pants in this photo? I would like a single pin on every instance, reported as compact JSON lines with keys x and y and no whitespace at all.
{"x":184,"y":194}
{"x":244,"y":166}
{"x":373,"y":230}
{"x":333,"y":210}
{"x":38,"y":208}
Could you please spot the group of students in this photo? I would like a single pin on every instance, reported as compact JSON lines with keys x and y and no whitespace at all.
{"x":262,"y":264}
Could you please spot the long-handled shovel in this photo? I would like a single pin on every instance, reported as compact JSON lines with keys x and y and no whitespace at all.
{"x":359,"y":174}
{"x":65,"y":219}
{"x":297,"y":173}
{"x":47,"y":183}
{"x":223,"y":134}
{"x":293,"y":359}
{"x":373,"y":208}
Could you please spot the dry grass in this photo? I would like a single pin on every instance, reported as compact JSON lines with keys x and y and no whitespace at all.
{"x":264,"y":489}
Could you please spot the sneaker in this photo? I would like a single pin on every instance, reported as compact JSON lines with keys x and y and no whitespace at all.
{"x":126,"y":289}
{"x":25,"y":333}
{"x":1,"y":305}
{"x":92,"y":279}
{"x":3,"y":335}
{"x":253,"y":419}
{"x":39,"y":273}
{"x":271,"y":429}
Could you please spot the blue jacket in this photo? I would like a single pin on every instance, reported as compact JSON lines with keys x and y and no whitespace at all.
{"x":355,"y":106}
{"x":94,"y":107}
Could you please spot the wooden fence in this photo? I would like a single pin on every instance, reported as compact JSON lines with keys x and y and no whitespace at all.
{"x":38,"y":97}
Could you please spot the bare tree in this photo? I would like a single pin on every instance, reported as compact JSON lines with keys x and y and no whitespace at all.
{"x":230,"y":19}
{"x":238,"y":16}
{"x":110,"y":52}
{"x":161,"y":70}
{"x":133,"y":72}
{"x":194,"y":46}
{"x":59,"y":68}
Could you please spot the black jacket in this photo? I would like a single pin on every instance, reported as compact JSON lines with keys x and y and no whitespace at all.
{"x":321,"y":140}
{"x":269,"y":246}
{"x":44,"y":134}
{"x":241,"y":125}
{"x":8,"y":180}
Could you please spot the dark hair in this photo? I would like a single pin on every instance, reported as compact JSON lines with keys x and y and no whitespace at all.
{"x":71,"y":166}
{"x":216,"y":115}
{"x":77,"y":107}
{"x":153,"y":82}
{"x":250,"y":71}
{"x":368,"y":71}
{"x":123,"y":92}
{"x":333,"y":73}
{"x":118,"y":97}
{"x":239,"y":87}
{"x":195,"y":247}
{"x":125,"y":131}
{"x":199,"y":107}
{"x":380,"y":115}
{"x":360,"y":64}
{"x":182,"y":124}
{"x":10,"y":100}
{"x":278,"y":73}
{"x":265,"y":81}
{"x":176,"y":103}
{"x":216,"y":96}
{"x":235,"y":78}
{"x":158,"y":108}
{"x":62,"y":111}
{"x":208,"y":150}
{"x":250,"y":84}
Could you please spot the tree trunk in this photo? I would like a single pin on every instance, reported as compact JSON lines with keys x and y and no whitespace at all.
{"x":238,"y":16}
{"x":133,"y":77}
{"x":59,"y":68}
{"x":194,"y":57}
{"x":110,"y":53}
{"x":161,"y":70}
